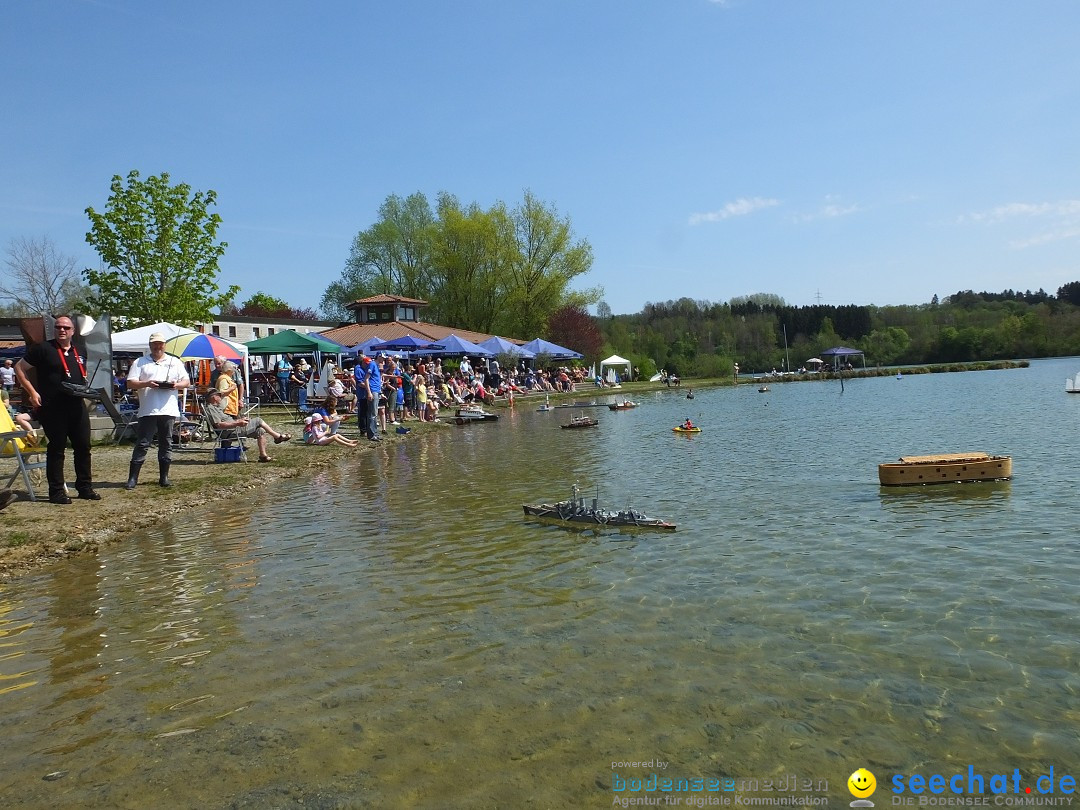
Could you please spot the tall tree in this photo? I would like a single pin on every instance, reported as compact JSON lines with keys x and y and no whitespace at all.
{"x":40,"y":278}
{"x":392,"y":256}
{"x":548,"y":260}
{"x":158,"y":243}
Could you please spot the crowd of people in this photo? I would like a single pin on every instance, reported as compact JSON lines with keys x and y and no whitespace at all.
{"x":380,"y":391}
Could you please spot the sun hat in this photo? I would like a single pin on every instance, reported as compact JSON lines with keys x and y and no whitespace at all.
{"x":307,"y":420}
{"x":157,"y":337}
{"x":316,"y":417}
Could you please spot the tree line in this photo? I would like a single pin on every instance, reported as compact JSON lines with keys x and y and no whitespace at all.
{"x":762,"y":332}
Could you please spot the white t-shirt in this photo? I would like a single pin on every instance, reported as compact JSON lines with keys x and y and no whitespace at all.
{"x":7,"y":375}
{"x":158,"y":401}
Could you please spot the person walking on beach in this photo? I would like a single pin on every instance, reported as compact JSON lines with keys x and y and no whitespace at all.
{"x":63,"y":416}
{"x":155,"y":378}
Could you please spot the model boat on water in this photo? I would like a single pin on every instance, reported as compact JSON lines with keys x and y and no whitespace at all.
{"x":576,"y":511}
{"x":581,"y":422}
{"x":945,"y":468}
{"x":467,"y":414}
{"x":684,"y":429}
{"x":625,"y":405}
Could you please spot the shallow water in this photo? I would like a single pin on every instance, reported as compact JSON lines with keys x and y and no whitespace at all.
{"x":394,"y":633}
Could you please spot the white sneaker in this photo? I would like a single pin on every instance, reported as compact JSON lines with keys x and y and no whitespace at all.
{"x":395,"y":422}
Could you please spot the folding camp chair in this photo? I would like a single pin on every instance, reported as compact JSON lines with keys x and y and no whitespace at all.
{"x":27,"y":457}
{"x":123,"y":420}
{"x":223,"y":438}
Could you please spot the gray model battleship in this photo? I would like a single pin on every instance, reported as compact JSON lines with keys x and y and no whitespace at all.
{"x":575,"y":511}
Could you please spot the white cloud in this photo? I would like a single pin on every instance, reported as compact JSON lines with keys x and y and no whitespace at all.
{"x":831,"y":209}
{"x":1062,"y":208}
{"x":739,"y":208}
{"x":1061,"y":220}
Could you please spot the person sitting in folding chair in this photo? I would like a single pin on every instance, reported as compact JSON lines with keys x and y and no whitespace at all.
{"x":236,"y":427}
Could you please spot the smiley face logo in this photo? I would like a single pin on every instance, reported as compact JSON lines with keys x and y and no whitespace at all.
{"x":862,"y":783}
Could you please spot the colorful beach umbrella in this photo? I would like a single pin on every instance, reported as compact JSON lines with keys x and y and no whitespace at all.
{"x":197,"y":346}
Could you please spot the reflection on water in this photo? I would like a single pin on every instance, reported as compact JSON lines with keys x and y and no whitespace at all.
{"x":393,"y":632}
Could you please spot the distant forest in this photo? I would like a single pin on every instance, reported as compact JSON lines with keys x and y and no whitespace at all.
{"x":702,"y":339}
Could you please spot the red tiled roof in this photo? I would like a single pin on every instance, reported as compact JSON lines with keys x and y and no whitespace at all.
{"x":383,"y":298}
{"x":356,"y":333}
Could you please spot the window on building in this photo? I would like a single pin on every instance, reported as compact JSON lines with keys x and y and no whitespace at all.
{"x":385,"y":315}
{"x":269,"y":331}
{"x":232,"y":331}
{"x":256,"y":330}
{"x":216,"y":330}
{"x":372,"y":316}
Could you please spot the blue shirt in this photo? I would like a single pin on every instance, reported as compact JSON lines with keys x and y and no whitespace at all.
{"x":372,"y":374}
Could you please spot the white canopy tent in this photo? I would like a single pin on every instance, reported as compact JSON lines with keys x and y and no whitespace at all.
{"x":138,"y":339}
{"x":610,"y":363}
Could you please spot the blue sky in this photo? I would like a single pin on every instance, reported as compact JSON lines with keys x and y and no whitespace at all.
{"x":847,"y":151}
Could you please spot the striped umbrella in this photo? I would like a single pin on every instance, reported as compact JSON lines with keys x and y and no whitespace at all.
{"x":197,"y":346}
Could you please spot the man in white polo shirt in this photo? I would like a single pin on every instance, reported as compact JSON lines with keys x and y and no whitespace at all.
{"x":156,"y":377}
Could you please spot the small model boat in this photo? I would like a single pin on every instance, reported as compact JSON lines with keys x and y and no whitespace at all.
{"x":576,"y":512}
{"x":945,"y":468}
{"x":546,"y":406}
{"x":625,"y":405}
{"x":764,"y":389}
{"x":581,"y":422}
{"x":685,"y":429}
{"x":467,"y":414}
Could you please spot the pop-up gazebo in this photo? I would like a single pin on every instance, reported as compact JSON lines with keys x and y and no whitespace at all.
{"x":611,"y":363}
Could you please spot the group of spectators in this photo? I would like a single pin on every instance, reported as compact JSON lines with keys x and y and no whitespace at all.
{"x":381,"y":391}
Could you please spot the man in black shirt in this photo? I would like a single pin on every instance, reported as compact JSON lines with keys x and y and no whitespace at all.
{"x":63,"y":416}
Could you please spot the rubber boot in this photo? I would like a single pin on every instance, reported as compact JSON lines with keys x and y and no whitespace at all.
{"x":164,"y":473}
{"x":133,"y":476}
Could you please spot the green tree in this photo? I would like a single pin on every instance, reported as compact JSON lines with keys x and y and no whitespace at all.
{"x":264,"y":305}
{"x":883,"y":346}
{"x":158,"y":244}
{"x":548,"y":259}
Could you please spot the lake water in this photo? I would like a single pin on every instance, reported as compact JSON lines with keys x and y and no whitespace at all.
{"x":393,"y":633}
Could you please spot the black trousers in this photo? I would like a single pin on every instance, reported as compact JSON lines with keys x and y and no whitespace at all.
{"x":364,"y":409}
{"x":66,"y":419}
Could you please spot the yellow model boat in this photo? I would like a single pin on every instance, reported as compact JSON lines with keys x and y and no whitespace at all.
{"x":682,"y":429}
{"x":945,"y":468}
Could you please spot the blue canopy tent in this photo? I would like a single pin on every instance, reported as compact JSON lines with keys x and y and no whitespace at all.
{"x":500,"y":345}
{"x":838,"y":352}
{"x":453,"y":345}
{"x":405,"y":344}
{"x":363,"y":346}
{"x":552,"y":350}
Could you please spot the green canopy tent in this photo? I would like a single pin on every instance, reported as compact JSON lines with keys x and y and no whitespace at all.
{"x":290,"y":342}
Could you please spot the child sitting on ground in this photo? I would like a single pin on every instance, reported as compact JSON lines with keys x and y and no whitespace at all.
{"x":316,"y":431}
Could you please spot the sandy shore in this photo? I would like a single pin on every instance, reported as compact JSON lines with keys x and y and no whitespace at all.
{"x":35,"y":533}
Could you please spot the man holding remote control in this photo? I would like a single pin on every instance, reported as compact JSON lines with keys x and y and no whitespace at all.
{"x":64,"y":417}
{"x":156,"y":377}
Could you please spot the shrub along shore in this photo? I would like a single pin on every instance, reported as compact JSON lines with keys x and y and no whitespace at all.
{"x":33,"y":534}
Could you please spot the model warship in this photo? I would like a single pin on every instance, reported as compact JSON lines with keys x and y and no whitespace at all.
{"x":575,"y":511}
